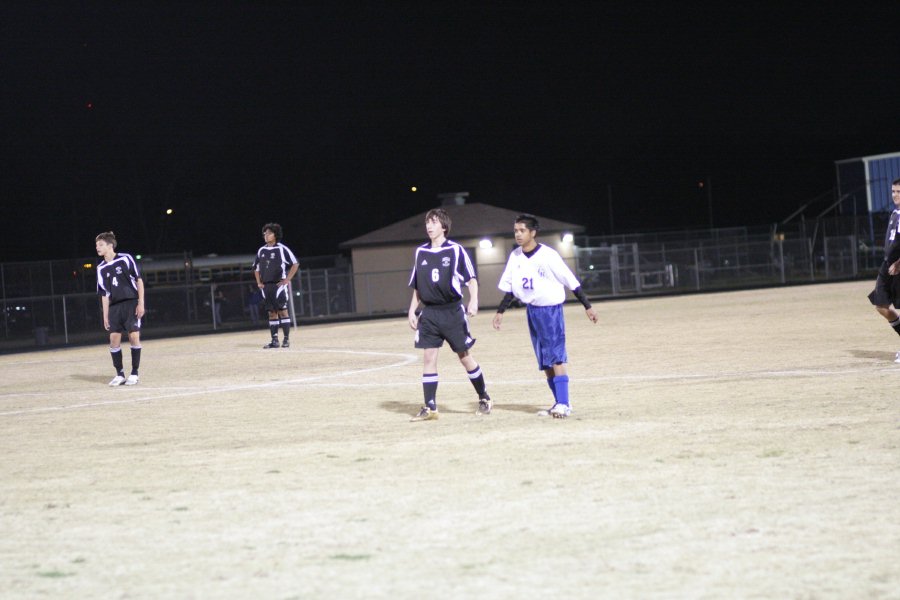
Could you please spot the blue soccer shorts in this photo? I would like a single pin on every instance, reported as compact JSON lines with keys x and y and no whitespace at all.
{"x":548,"y":334}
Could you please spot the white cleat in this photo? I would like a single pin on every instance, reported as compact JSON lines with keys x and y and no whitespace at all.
{"x":897,"y":358}
{"x":117,"y":380}
{"x":557,"y":411}
{"x":132,"y":380}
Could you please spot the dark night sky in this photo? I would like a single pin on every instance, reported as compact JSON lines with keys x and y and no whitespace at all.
{"x":322,"y":115}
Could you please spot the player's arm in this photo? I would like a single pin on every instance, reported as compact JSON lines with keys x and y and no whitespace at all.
{"x":104,"y":302}
{"x":139,"y":311}
{"x":504,"y":304}
{"x":291,"y":273}
{"x":579,"y":293}
{"x":413,"y":306}
{"x":473,"y":297}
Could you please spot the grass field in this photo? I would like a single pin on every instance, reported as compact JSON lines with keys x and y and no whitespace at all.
{"x":734,"y":445}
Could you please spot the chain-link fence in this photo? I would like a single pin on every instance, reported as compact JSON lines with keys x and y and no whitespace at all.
{"x":66,"y":310}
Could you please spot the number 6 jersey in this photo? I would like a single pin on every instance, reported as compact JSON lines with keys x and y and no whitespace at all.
{"x":117,"y":279}
{"x":438,"y":273}
{"x":537,"y":277}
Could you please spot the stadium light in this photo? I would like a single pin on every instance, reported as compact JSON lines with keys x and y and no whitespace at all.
{"x":485,"y":244}
{"x":567,"y":238}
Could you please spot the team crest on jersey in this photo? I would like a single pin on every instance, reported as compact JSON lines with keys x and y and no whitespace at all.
{"x":541,"y":273}
{"x":272,"y":256}
{"x":118,"y":270}
{"x":445,"y":262}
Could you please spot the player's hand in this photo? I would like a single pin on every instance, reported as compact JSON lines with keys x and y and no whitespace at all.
{"x":413,"y":320}
{"x":591,"y":315}
{"x":284,"y":282}
{"x":106,"y":323}
{"x":894,"y":268}
{"x":139,"y":311}
{"x":260,"y":285}
{"x":498,"y":318}
{"x":473,"y":309}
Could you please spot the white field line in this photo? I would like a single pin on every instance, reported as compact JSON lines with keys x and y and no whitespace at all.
{"x":317,"y":380}
{"x":406,"y":359}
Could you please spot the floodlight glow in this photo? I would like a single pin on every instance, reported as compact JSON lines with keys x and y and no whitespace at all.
{"x":169,"y":211}
{"x":567,"y":238}
{"x":485,"y":244}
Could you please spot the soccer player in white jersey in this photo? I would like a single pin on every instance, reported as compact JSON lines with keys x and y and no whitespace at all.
{"x":537,"y":276}
{"x":441,"y":267}
{"x":274,"y":267}
{"x":121,"y":292}
{"x":887,"y":284}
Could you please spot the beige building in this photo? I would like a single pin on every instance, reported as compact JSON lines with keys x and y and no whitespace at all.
{"x":382,"y":259}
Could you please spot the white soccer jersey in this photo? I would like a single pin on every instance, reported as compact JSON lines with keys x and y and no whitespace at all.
{"x":538,"y":279}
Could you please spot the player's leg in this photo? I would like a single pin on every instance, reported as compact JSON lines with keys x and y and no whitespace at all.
{"x":274,"y":321}
{"x":430,"y":341}
{"x":115,"y":351}
{"x":884,"y":297}
{"x":134,"y":340}
{"x":285,"y":323}
{"x":476,"y":377}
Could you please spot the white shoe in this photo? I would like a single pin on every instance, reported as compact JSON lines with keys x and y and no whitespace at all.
{"x":897,"y":358}
{"x":132,"y":380}
{"x":557,"y":411}
{"x":117,"y":380}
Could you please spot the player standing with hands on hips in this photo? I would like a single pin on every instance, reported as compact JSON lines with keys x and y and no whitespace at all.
{"x":274,"y":267}
{"x":440,"y":267}
{"x":538,"y":276}
{"x":887,"y":284}
{"x":121,"y":292}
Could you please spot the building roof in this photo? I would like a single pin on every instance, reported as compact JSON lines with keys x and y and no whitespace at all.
{"x":469,"y":220}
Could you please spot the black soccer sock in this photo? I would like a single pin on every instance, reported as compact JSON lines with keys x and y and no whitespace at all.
{"x":116,"y":354}
{"x":477,"y":379}
{"x":286,"y":327}
{"x":273,"y":328}
{"x":135,"y":359}
{"x":429,"y":389}
{"x":896,"y":325}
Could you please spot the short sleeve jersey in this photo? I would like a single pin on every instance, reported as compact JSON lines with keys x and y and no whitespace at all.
{"x":117,"y":279}
{"x":438,"y":273}
{"x":538,"y":279}
{"x":892,"y":238}
{"x":273,"y":262}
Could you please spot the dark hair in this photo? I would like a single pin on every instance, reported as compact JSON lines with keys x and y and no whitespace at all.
{"x":896,"y":182}
{"x":109,"y":237}
{"x":274,"y":228}
{"x":443,"y":218}
{"x":529,"y":221}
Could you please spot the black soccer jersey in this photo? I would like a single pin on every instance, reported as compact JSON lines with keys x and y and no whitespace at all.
{"x":117,"y":279}
{"x":892,"y":239}
{"x":273,"y":262}
{"x":439,"y":272}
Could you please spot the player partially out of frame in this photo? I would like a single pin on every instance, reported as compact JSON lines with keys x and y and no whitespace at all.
{"x":537,"y":275}
{"x":121,"y":292}
{"x":440,"y":267}
{"x":886,"y":295}
{"x":274,"y":267}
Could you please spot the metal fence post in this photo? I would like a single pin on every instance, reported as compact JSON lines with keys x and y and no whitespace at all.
{"x":65,"y":320}
{"x":781,"y":258}
{"x":697,"y":267}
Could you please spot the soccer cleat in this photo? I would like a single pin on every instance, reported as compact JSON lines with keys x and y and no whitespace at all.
{"x":897,"y":358}
{"x":117,"y":380}
{"x":132,"y":380}
{"x":273,"y":344}
{"x":286,"y":343}
{"x":425,"y":414}
{"x":485,"y":405}
{"x":557,"y":411}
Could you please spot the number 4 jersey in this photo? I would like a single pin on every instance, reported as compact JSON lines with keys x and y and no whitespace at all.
{"x":439,"y":273}
{"x":117,"y":279}
{"x":538,"y":277}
